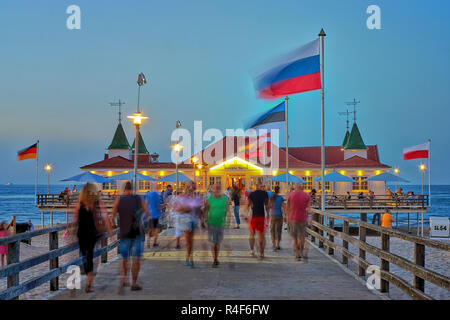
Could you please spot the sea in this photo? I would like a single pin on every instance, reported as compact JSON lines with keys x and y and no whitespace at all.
{"x":18,"y":200}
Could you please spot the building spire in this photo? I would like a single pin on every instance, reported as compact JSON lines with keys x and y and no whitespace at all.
{"x":355,"y":141}
{"x":119,"y":141}
{"x":142,"y":149}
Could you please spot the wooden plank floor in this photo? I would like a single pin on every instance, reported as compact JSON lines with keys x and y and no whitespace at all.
{"x":239,"y":276}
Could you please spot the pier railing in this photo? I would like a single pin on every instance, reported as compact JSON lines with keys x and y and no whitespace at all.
{"x":377,"y":203}
{"x":15,"y":266}
{"x":340,"y":202}
{"x":57,"y":201}
{"x":325,"y":235}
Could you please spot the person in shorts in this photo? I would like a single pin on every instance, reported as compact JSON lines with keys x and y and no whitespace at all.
{"x":298,"y":206}
{"x":216,"y":213}
{"x":258,"y":201}
{"x":188,"y":206}
{"x":131,"y":243}
{"x":277,"y":207}
{"x":155,"y":204}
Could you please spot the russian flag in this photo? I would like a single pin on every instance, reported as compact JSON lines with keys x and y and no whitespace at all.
{"x":294,"y":73}
{"x":420,"y":151}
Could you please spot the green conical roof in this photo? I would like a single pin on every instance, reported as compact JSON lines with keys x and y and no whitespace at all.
{"x":355,"y":141}
{"x":345,"y":138}
{"x":120,"y":140}
{"x":142,"y":148}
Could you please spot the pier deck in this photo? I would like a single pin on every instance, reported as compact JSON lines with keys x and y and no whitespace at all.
{"x":239,"y":276}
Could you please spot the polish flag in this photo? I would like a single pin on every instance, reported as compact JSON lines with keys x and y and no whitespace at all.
{"x":417,"y":152}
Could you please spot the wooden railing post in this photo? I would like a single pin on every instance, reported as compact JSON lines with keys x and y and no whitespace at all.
{"x":104,"y":243}
{"x":314,"y":228}
{"x":321,"y":219}
{"x":384,"y":285}
{"x":419,"y":259}
{"x":13,"y":257}
{"x":54,"y":263}
{"x":362,"y":238}
{"x":345,"y":230}
{"x":330,"y":236}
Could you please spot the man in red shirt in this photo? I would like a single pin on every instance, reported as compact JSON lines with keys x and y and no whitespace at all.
{"x":298,"y":205}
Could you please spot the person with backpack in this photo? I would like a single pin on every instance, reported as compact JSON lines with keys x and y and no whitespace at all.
{"x":90,"y":221}
{"x":277,"y":207}
{"x":129,"y":207}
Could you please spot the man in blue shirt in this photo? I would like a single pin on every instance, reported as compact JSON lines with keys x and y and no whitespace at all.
{"x":155,"y":204}
{"x":277,"y":207}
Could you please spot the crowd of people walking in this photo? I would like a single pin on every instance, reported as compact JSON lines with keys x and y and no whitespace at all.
{"x":138,"y":217}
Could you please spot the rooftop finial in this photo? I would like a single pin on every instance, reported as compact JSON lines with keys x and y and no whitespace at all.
{"x":118,"y":104}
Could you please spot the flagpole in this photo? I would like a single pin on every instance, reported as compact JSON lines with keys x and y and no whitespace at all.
{"x":322,"y":112}
{"x":36,"y":180}
{"x":287,"y":143}
{"x":429,"y":172}
{"x":271,"y":163}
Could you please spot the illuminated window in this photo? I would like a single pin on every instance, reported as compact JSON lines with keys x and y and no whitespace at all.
{"x":109,"y":186}
{"x":309,"y":185}
{"x":143,"y":185}
{"x":360,"y":184}
{"x":327,"y":185}
{"x":215,"y":180}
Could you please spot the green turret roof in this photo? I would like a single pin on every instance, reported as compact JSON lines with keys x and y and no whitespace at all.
{"x":120,"y":140}
{"x":355,"y":141}
{"x":345,"y":138}
{"x":142,"y":148}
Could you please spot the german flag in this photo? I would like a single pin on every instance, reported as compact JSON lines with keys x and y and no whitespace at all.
{"x":27,"y":153}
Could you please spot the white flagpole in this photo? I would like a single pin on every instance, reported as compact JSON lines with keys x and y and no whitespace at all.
{"x":271,"y":162}
{"x":429,"y":172}
{"x":322,"y":94}
{"x":287,"y":143}
{"x":36,"y":180}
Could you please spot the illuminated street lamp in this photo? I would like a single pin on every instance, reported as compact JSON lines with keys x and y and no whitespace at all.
{"x":137,"y":121}
{"x":422,"y":168}
{"x":396,"y":171}
{"x":194,"y":160}
{"x":48,"y":168}
{"x":177,"y":147}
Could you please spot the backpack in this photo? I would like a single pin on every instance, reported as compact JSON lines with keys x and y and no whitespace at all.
{"x":140,"y":224}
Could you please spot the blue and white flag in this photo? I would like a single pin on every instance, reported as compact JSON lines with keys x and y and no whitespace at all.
{"x":273,"y":119}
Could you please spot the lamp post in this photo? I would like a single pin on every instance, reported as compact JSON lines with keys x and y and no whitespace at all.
{"x":200,"y":166}
{"x":48,"y":168}
{"x":194,"y":160}
{"x":422,"y":168}
{"x":137,"y":121}
{"x":396,"y":172}
{"x":177,"y":147}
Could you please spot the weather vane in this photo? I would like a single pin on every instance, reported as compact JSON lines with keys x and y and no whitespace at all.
{"x":118,"y":104}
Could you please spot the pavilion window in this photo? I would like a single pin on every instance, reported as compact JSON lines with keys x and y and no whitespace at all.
{"x":106,"y":186}
{"x":360,"y":184}
{"x":144,"y":185}
{"x":215,"y":180}
{"x":309,"y":185}
{"x":327,"y":185}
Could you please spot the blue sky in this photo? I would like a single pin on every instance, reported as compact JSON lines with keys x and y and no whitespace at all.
{"x":198,"y":57}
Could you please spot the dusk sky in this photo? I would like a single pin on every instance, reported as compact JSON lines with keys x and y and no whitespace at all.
{"x":199,"y":57}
